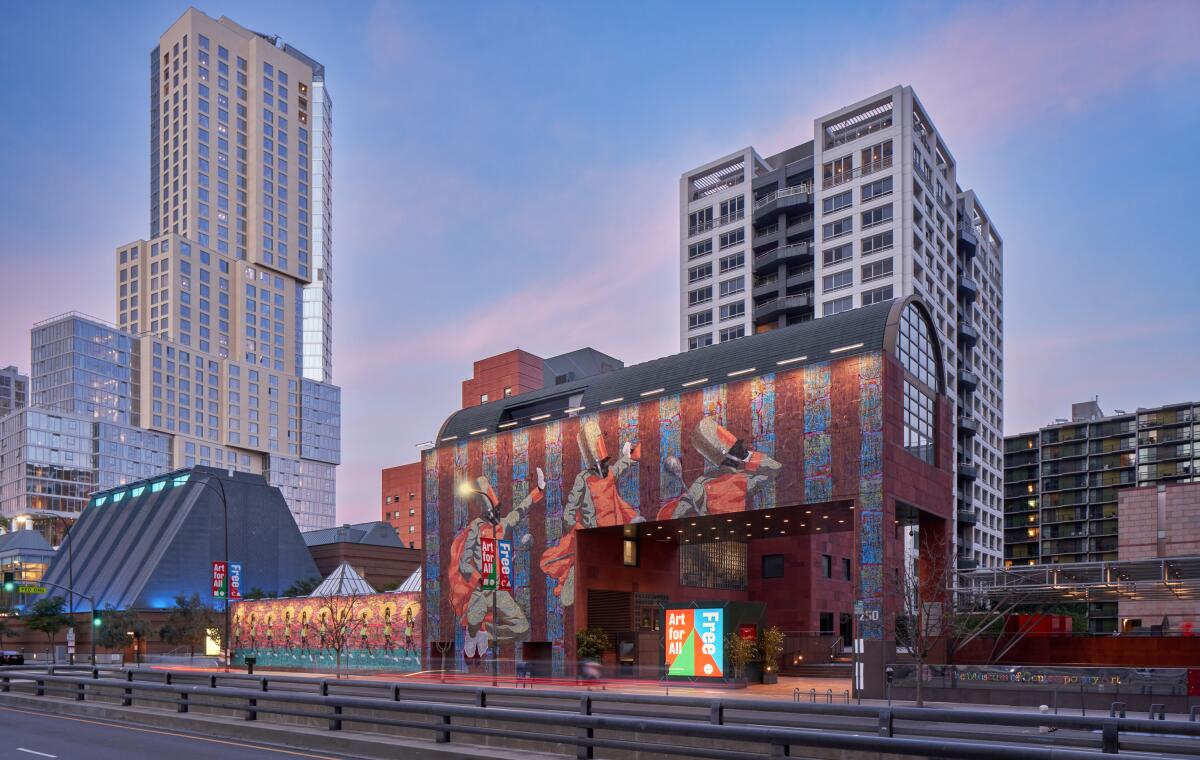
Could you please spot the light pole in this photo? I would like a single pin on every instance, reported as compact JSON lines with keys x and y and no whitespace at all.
{"x":493,"y":517}
{"x":29,"y":518}
{"x":220,"y":488}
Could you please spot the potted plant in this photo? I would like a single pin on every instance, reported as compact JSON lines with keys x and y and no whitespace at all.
{"x":590,"y":646}
{"x":771,"y":646}
{"x":739,"y":652}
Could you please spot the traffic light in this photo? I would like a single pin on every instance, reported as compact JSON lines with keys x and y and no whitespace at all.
{"x":96,"y":621}
{"x":9,"y":581}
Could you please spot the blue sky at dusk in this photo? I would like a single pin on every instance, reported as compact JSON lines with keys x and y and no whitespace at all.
{"x":506,"y":174}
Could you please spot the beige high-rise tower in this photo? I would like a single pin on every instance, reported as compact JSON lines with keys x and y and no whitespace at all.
{"x":231,"y":297}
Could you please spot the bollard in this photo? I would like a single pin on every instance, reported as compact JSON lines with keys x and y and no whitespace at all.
{"x":335,"y":723}
{"x":796,"y":694}
{"x":95,"y":673}
{"x":1109,"y":739}
{"x":1159,"y":711}
{"x":829,"y":696}
{"x":847,"y":696}
{"x":167,"y":678}
{"x":885,"y":723}
{"x":812,"y":696}
{"x":1117,"y":707}
{"x":585,"y":751}
{"x":395,"y":693}
{"x":324,"y":688}
{"x":212,"y":681}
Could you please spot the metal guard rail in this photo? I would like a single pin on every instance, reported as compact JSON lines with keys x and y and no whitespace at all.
{"x":586,"y":722}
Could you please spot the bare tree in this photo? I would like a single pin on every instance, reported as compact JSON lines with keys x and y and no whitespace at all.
{"x":927,"y":618}
{"x":340,"y":625}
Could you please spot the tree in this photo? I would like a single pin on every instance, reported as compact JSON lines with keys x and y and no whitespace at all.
{"x":339,"y":624}
{"x":47,"y":616}
{"x":770,"y":643}
{"x":256,"y":593}
{"x":927,"y":615}
{"x":302,"y":587}
{"x":115,"y":627}
{"x":190,"y":621}
{"x":739,"y":652}
{"x":591,"y":644}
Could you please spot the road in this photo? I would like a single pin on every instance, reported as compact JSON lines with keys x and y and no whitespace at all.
{"x":26,"y":735}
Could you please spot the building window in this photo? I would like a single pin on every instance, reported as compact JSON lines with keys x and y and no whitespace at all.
{"x":700,"y":319}
{"x":412,"y":529}
{"x":837,"y":202}
{"x":918,"y":423}
{"x":700,"y":341}
{"x":733,"y":333}
{"x":483,"y":398}
{"x":699,"y":221}
{"x":826,"y":623}
{"x":837,"y":281}
{"x":733,"y":209}
{"x":876,"y":157}
{"x":831,"y":256}
{"x":772,"y":566}
{"x":702,"y":272}
{"x":877,"y":216}
{"x":700,"y":295}
{"x":696,"y":250}
{"x":846,"y":571}
{"x":837,"y":171}
{"x":877,"y":270}
{"x":915,"y":347}
{"x":877,"y":189}
{"x":735,"y":285}
{"x":732,"y":261}
{"x":878,"y":295}
{"x":629,"y":552}
{"x":826,"y":566}
{"x":412,"y":512}
{"x":733,"y":310}
{"x":837,"y":306}
{"x":877,"y":243}
{"x":733,"y":237}
{"x":717,"y":564}
{"x":507,"y":393}
{"x":838,"y":228}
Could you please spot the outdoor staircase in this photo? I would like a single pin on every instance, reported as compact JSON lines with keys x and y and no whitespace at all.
{"x":840,"y":666}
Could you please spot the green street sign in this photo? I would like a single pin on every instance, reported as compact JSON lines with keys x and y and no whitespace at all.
{"x":31,"y":589}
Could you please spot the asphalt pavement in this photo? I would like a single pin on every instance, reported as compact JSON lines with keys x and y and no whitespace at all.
{"x":26,"y":735}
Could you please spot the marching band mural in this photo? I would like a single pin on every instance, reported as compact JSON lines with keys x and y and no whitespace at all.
{"x":805,"y":435}
{"x":299,"y":632}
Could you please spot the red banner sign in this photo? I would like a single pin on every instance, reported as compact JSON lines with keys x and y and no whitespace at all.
{"x":219,"y":574}
{"x":487,"y":562}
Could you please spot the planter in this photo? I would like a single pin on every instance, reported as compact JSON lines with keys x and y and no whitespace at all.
{"x":770,"y":676}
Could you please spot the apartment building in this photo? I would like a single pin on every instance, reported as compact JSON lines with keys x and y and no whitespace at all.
{"x":401,"y":494}
{"x":231,"y":296}
{"x":222,"y":351}
{"x":868,"y":210}
{"x":1063,"y":482}
{"x":14,"y":390}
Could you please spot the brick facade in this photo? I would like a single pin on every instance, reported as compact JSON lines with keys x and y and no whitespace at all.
{"x":401,"y":502}
{"x":1159,"y":522}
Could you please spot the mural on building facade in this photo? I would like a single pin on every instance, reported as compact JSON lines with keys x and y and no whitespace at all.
{"x":807,"y":435}
{"x":298,"y":632}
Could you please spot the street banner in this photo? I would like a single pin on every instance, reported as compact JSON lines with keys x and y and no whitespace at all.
{"x":695,"y":643}
{"x":235,"y":580}
{"x":487,"y":562}
{"x":218,"y":580}
{"x":505,"y":552}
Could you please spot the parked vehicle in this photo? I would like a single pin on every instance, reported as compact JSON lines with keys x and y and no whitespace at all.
{"x":9,"y":657}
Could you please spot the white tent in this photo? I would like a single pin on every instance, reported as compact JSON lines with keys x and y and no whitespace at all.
{"x":343,"y":581}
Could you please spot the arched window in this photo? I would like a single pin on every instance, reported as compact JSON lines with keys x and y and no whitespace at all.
{"x":917,"y":349}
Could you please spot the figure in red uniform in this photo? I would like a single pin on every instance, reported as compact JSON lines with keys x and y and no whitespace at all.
{"x":472,"y":604}
{"x":738,"y":475}
{"x":595,"y":501}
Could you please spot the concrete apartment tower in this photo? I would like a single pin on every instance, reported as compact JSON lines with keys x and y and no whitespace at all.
{"x":14,"y":390}
{"x":230,"y":298}
{"x":868,"y":210}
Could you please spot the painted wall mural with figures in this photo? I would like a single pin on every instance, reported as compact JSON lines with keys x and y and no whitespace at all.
{"x":383,"y":631}
{"x":805,"y":435}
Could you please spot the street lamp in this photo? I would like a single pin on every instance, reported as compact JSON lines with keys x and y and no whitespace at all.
{"x":466,"y":490}
{"x":64,"y":516}
{"x":220,"y":488}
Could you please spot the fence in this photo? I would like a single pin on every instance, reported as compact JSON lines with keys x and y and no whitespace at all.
{"x":691,"y":726}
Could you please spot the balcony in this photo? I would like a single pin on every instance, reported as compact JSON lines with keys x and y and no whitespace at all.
{"x":968,"y":425}
{"x":967,"y":288}
{"x":785,"y":199}
{"x":802,"y":277}
{"x":967,"y":517}
{"x":721,"y":221}
{"x":767,"y":261}
{"x":967,"y":334}
{"x":967,"y":379}
{"x":968,"y":240}
{"x":777,"y":307}
{"x":967,"y":470}
{"x":766,"y":286}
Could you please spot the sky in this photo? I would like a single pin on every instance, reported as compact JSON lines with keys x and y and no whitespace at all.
{"x":507,"y":175}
